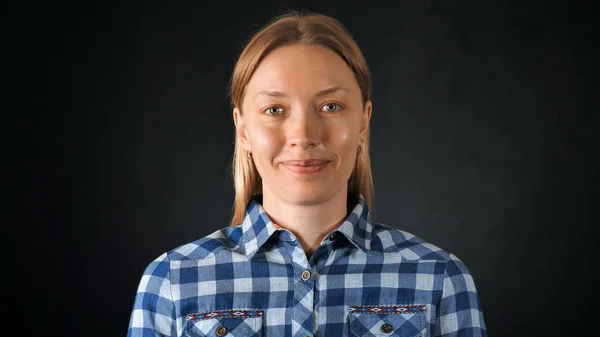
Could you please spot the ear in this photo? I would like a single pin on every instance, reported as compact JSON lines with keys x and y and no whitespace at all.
{"x":240,"y":129}
{"x":365,"y":119}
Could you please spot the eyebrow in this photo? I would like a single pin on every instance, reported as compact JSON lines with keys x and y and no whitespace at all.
{"x":273,"y":93}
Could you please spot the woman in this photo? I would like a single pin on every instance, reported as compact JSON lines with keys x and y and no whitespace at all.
{"x":302,"y":256}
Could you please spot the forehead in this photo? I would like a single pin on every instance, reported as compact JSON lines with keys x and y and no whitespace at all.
{"x":302,"y":69}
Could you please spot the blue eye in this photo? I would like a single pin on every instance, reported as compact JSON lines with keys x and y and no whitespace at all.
{"x":273,"y":111}
{"x":331,"y":107}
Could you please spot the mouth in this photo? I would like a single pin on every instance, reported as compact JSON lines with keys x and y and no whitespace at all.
{"x":306,"y":166}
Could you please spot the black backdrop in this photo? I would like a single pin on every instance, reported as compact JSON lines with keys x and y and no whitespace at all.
{"x":483,"y":143}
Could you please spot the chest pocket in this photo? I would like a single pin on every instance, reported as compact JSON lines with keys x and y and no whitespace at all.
{"x":389,"y":321}
{"x":225,"y":323}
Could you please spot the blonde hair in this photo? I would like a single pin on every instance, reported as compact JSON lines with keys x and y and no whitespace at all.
{"x":296,"y":28}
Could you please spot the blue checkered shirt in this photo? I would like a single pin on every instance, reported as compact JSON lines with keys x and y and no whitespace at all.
{"x":365,"y":279}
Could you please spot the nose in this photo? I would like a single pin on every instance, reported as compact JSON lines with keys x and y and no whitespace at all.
{"x":304,"y":129}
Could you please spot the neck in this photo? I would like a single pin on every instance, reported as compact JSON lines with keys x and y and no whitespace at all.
{"x":308,"y":221}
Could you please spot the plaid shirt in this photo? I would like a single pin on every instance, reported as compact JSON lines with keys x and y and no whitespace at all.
{"x":365,"y":279}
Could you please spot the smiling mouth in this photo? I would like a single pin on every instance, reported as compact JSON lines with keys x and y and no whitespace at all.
{"x":307,"y":169}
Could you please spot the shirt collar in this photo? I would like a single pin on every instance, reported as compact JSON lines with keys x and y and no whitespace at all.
{"x":257,"y":227}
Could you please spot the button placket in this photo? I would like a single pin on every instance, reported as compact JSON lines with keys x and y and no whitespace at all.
{"x":303,"y":289}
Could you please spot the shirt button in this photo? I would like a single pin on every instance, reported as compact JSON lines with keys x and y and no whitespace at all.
{"x":387,"y":328}
{"x":332,"y":236}
{"x":305,"y":275}
{"x":221,"y":331}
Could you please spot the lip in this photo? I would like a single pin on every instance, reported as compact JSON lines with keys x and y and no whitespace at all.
{"x":306,"y":166}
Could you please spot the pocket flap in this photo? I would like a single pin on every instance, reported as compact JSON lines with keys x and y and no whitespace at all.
{"x":230,"y":323}
{"x":388,"y":320}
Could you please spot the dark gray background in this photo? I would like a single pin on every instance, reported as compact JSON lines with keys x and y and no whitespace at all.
{"x":484,"y":141}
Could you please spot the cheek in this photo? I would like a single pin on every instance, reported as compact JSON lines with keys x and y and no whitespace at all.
{"x":265,"y":140}
{"x":342,"y":137}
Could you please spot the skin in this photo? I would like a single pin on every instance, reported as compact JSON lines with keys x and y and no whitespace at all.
{"x":297,"y":124}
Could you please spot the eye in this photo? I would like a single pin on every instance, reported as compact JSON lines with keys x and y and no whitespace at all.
{"x":331,"y":107}
{"x":274,"y":110}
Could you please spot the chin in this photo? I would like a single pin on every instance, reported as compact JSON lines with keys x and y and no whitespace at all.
{"x":309,"y":196}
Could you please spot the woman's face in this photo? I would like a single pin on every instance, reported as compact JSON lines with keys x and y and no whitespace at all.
{"x":303,"y":103}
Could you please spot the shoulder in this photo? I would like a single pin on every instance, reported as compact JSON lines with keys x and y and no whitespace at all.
{"x":411,"y":247}
{"x":228,"y":238}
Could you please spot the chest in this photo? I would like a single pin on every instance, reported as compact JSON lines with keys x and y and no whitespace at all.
{"x":350,"y":294}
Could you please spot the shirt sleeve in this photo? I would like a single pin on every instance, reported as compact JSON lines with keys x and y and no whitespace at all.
{"x":153,"y":309}
{"x":459,"y":313}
